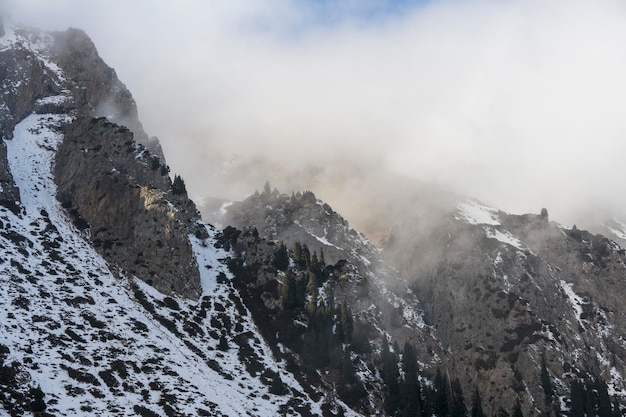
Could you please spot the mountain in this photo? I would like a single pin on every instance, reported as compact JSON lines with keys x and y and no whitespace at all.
{"x":117,"y":299}
{"x":518,"y":307}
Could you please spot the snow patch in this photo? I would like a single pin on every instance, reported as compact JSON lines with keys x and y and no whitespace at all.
{"x":504,"y":237}
{"x":474,"y":212}
{"x":575,"y":300}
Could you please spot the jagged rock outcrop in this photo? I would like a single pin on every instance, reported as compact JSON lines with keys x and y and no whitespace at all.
{"x":118,"y":189}
{"x":110,"y":183}
{"x":507,"y":293}
{"x":37,"y":65}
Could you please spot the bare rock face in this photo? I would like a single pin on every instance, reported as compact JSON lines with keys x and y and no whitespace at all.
{"x":516,"y":297}
{"x":113,"y":187}
{"x":119,"y":191}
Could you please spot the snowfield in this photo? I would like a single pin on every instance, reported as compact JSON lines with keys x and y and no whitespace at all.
{"x":102,"y":343}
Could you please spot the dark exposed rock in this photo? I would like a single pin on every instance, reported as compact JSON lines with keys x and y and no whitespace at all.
{"x":135,"y":220}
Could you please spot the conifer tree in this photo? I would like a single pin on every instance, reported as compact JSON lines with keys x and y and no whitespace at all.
{"x":517,"y":409}
{"x":477,"y":407}
{"x":306,"y":257}
{"x":301,"y":289}
{"x":546,"y":382}
{"x":278,"y":387}
{"x":289,"y":291}
{"x":440,"y":400}
{"x":391,"y":377}
{"x":411,"y":390}
{"x":38,"y":405}
{"x":617,"y":410}
{"x":322,"y":260}
{"x":223,"y":343}
{"x":347,"y":323}
{"x":604,"y":401}
{"x":281,"y":258}
{"x":577,"y":400}
{"x":178,"y":186}
{"x":297,"y":253}
{"x":457,"y":403}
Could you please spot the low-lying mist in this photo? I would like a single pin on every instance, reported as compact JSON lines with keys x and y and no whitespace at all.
{"x":518,"y":104}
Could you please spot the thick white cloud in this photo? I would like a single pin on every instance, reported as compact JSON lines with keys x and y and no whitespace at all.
{"x":519,"y":103}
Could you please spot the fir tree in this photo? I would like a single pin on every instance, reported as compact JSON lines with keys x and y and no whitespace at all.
{"x":411,"y":390}
{"x":223,"y":343}
{"x":546,"y":382}
{"x":440,"y":400}
{"x":289,"y":291}
{"x":577,"y":399}
{"x":38,"y":405}
{"x":517,"y":409}
{"x":617,"y":410}
{"x":297,"y":253}
{"x":178,"y":186}
{"x":477,"y":407}
{"x":604,"y":401}
{"x":457,"y":403}
{"x":278,"y":387}
{"x":347,"y":323}
{"x":391,"y":377}
{"x":281,"y":258}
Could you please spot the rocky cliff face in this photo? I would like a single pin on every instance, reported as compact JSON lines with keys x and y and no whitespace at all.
{"x":116,"y":189}
{"x":508,"y":299}
{"x":506,"y":293}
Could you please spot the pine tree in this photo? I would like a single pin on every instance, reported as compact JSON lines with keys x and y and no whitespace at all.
{"x":477,"y":407}
{"x":440,"y":400}
{"x":178,"y":186}
{"x":347,"y":322}
{"x":546,"y":382}
{"x":289,"y":291}
{"x":577,"y":400}
{"x":306,"y":257}
{"x":604,"y":401}
{"x":457,"y":402}
{"x":301,"y":289}
{"x":223,"y":343}
{"x":278,"y":387}
{"x":322,"y":260}
{"x":281,"y":257}
{"x":617,"y":409}
{"x":297,"y":253}
{"x":312,"y":283}
{"x":412,"y":404}
{"x":517,"y":409}
{"x":391,"y":377}
{"x":38,"y":405}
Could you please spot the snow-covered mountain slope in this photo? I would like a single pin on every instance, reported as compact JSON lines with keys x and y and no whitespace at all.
{"x":93,"y":337}
{"x":117,"y":300}
{"x":98,"y":341}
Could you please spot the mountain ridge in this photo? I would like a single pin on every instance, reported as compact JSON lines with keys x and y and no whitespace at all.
{"x":120,"y":301}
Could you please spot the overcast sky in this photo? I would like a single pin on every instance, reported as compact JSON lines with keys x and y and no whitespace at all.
{"x":518,"y":103}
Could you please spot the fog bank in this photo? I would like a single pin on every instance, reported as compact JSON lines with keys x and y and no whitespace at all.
{"x":518,"y":104}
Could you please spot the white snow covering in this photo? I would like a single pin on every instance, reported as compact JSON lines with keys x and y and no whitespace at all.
{"x":575,"y":300}
{"x":474,"y":212}
{"x":68,"y":318}
{"x":504,"y":237}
